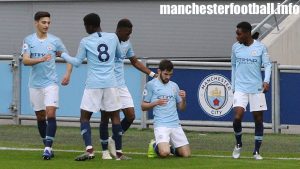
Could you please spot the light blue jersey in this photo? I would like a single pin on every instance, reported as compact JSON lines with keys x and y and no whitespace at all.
{"x":100,"y":49}
{"x":246,"y":64}
{"x":127,"y":52}
{"x":165,"y":115}
{"x":42,"y":74}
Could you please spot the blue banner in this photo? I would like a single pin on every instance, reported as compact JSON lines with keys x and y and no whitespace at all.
{"x":190,"y":80}
{"x":289,"y":98}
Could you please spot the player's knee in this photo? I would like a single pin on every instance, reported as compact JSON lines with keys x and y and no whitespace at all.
{"x":164,"y":153}
{"x":130,"y":118}
{"x":185,"y":154}
{"x":237,"y":118}
{"x":129,"y":114}
{"x":40,"y":115}
{"x":40,"y":118}
{"x":258,"y":119}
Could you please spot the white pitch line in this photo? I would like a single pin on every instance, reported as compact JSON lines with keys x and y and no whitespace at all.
{"x":139,"y":153}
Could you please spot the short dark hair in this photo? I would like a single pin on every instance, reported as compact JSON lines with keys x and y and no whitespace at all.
{"x":40,"y":14}
{"x":255,"y":35}
{"x":245,"y":26}
{"x":124,"y":23}
{"x":92,"y":19}
{"x":166,"y":65}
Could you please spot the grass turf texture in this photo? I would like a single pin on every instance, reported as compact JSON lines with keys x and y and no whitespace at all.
{"x":211,"y":144}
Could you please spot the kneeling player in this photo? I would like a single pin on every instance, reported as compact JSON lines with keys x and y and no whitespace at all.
{"x":164,"y":97}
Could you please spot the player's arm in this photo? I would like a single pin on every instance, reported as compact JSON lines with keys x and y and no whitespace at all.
{"x":141,"y":67}
{"x":180,"y":98}
{"x":182,"y":104}
{"x":67,"y":76}
{"x":27,"y":61}
{"x":77,"y":60}
{"x":148,"y":102}
{"x":233,"y":68}
{"x":149,"y":105}
{"x":137,"y":64}
{"x":119,"y":53}
{"x":268,"y":68}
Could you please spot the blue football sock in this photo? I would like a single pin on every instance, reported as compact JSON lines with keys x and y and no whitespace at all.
{"x":103,"y":129}
{"x":42,"y":126}
{"x":156,"y":148}
{"x":85,"y":128}
{"x":117,"y":135}
{"x":51,"y":130}
{"x":237,"y":127}
{"x":259,"y":131}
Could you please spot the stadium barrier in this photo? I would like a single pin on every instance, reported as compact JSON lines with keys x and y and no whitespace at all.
{"x":209,"y":98}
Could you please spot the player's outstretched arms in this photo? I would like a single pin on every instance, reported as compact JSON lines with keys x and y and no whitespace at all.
{"x":27,"y":61}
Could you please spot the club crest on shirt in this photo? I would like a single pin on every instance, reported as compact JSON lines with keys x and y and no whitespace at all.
{"x":254,"y":53}
{"x":49,"y":47}
{"x":215,"y":95}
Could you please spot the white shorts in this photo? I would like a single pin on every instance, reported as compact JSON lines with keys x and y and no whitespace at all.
{"x":94,"y":100}
{"x":42,"y":97}
{"x":125,"y":97}
{"x":257,"y":101}
{"x":174,"y":136}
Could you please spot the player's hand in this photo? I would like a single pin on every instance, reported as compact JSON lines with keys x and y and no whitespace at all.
{"x":58,"y":53}
{"x":66,"y":79}
{"x":162,"y":102}
{"x":182,"y":94}
{"x":46,"y":58}
{"x":266,"y":87}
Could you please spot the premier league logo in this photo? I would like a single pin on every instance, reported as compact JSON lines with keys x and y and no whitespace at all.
{"x":215,"y":95}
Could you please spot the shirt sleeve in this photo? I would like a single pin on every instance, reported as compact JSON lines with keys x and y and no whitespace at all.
{"x":266,"y":62}
{"x":178,"y":98}
{"x":80,"y":56}
{"x":26,"y":47}
{"x":233,"y":68}
{"x":147,"y":93}
{"x":118,"y":49}
{"x":61,"y":46}
{"x":130,"y":52}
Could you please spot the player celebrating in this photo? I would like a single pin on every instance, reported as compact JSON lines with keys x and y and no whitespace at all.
{"x":100,"y":49}
{"x":123,"y":31}
{"x":248,"y":55}
{"x":39,"y":53}
{"x":164,"y":97}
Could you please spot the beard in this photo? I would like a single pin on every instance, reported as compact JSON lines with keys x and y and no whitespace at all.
{"x":164,"y":81}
